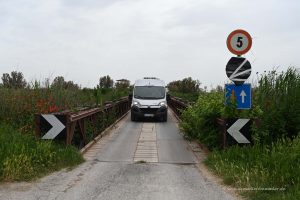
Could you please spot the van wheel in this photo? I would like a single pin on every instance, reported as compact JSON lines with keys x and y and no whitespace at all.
{"x":165,"y":118}
{"x":133,"y":118}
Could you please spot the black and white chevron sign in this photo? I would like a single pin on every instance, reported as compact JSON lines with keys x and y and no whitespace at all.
{"x":239,"y":131}
{"x":52,"y":126}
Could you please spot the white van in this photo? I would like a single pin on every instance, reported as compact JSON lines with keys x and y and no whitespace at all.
{"x":149,"y":99}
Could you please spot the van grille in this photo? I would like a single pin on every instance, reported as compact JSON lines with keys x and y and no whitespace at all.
{"x":149,"y":110}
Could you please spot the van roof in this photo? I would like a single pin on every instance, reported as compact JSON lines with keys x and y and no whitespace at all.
{"x":149,"y":82}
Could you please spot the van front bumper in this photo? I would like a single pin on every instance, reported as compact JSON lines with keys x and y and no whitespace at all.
{"x":149,"y":112}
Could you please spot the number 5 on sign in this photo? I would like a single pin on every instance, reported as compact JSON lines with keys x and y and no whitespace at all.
{"x":239,"y":42}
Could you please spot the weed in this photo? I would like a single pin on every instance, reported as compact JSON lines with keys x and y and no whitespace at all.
{"x":198,"y":121}
{"x":24,"y":158}
{"x":261,"y":167}
{"x":278,"y":95}
{"x":273,"y":161}
{"x":140,"y":162}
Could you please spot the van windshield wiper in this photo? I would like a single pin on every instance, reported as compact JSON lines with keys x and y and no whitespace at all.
{"x":143,"y":97}
{"x":139,"y":97}
{"x":153,"y":97}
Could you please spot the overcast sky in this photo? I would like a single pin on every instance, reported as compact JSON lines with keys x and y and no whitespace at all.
{"x":170,"y":39}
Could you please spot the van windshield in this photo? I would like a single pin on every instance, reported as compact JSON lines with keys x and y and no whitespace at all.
{"x":149,"y":92}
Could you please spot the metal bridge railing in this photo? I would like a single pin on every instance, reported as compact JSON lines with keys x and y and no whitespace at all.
{"x":177,"y":105}
{"x":84,"y":125}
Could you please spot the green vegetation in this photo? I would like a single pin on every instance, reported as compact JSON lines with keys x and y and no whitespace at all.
{"x":259,"y":168}
{"x":22,"y":157}
{"x":140,"y":162}
{"x":18,"y":106}
{"x":278,"y":96}
{"x":187,"y":89}
{"x":190,"y":97}
{"x":198,"y":121}
{"x":273,"y":161}
{"x":276,"y":106}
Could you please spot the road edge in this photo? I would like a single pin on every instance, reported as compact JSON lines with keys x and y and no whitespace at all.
{"x":103,"y":133}
{"x":203,"y":169}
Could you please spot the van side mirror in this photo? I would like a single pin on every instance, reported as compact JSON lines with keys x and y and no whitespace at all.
{"x":168,"y":97}
{"x":130,"y":97}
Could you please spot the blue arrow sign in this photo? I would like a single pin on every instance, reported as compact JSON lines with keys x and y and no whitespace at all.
{"x":241,"y":94}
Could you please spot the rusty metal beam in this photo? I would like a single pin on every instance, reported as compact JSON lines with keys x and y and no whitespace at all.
{"x":83,"y":114}
{"x":95,"y":115}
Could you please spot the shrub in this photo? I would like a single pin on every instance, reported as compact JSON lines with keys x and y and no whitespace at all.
{"x":274,"y":166}
{"x":198,"y":121}
{"x":278,"y":95}
{"x":190,"y":97}
{"x":24,"y":158}
{"x":276,"y":105}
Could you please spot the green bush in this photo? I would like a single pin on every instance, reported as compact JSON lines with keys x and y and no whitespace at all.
{"x":190,"y":97}
{"x":18,"y":106}
{"x":274,"y":166}
{"x":198,"y":121}
{"x":24,"y":158}
{"x":278,"y":95}
{"x":276,"y":106}
{"x":274,"y":159}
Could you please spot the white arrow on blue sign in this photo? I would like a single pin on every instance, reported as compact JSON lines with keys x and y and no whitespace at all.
{"x":241,"y":94}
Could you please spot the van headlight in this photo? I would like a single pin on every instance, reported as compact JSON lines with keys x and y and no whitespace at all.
{"x":163,"y":103}
{"x":136,"y":103}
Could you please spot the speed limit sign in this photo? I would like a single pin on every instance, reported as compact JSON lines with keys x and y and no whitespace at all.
{"x":239,"y":42}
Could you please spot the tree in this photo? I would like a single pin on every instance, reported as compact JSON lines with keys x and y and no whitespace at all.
{"x":106,"y":82}
{"x":174,"y":86}
{"x":219,"y":88}
{"x":186,"y":85}
{"x":59,"y":82}
{"x":46,"y":83}
{"x":122,"y":84}
{"x":71,"y":85}
{"x":15,"y":80}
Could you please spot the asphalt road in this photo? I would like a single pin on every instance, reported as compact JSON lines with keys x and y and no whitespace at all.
{"x":137,"y":160}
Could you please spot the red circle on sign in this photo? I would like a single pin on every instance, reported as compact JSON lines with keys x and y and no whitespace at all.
{"x":235,"y":33}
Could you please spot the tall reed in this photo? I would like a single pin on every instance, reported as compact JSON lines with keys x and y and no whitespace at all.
{"x":278,"y":95}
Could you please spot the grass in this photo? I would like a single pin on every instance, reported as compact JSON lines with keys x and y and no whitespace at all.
{"x":274,"y":159}
{"x":278,"y":96}
{"x":24,"y":158}
{"x":259,"y":168}
{"x":18,"y":106}
{"x":190,"y":97}
{"x":276,"y":109}
{"x":140,"y":162}
{"x":198,"y":120}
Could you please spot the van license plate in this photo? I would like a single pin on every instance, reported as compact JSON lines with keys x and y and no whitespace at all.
{"x":149,"y":115}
